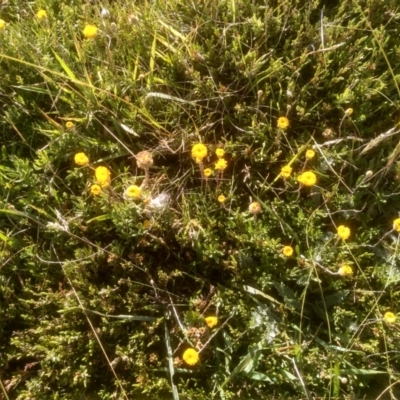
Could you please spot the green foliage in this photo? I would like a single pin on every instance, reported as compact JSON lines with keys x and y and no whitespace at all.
{"x":102,"y":294}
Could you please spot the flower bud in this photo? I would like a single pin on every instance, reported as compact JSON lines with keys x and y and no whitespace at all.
{"x":255,"y":208}
{"x":104,"y":13}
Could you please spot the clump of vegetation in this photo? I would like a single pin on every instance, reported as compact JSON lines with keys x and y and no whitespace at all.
{"x":199,"y":200}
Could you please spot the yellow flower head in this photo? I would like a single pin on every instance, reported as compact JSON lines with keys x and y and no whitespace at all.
{"x":144,"y":159}
{"x":286,"y":171}
{"x":103,"y":176}
{"x":2,"y":24}
{"x":343,"y":232}
{"x":95,"y":190}
{"x":345,"y":270}
{"x":282,"y":123}
{"x":90,"y":31}
{"x":41,"y":14}
{"x":81,"y":159}
{"x":349,"y":111}
{"x":221,"y":198}
{"x":133,"y":192}
{"x":220,"y":152}
{"x":211,"y":322}
{"x":207,"y":172}
{"x":199,"y":151}
{"x":221,"y":164}
{"x":287,"y":251}
{"x":146,"y":224}
{"x":310,"y":154}
{"x":191,"y":356}
{"x":307,"y":178}
{"x":69,"y":125}
{"x":389,"y":317}
{"x":396,"y":224}
{"x":255,"y":208}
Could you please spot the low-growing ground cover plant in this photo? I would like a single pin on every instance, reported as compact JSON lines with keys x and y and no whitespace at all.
{"x":199,"y":200}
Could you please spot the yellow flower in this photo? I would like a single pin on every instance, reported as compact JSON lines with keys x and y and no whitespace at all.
{"x":221,"y":164}
{"x":221,"y":198}
{"x":345,"y":270}
{"x":307,"y":178}
{"x":103,"y":176}
{"x":95,"y":190}
{"x":343,"y":232}
{"x":69,"y":125}
{"x":396,"y":224}
{"x":90,"y":31}
{"x":349,"y":111}
{"x":199,"y":151}
{"x":310,"y":154}
{"x":2,"y":24}
{"x":283,"y":122}
{"x":286,"y":171}
{"x":211,"y":321}
{"x":41,"y":14}
{"x":220,"y":152}
{"x":133,"y":192}
{"x":255,"y":208}
{"x":287,"y":251}
{"x":207,"y":172}
{"x":191,"y":356}
{"x":146,"y":224}
{"x":81,"y":159}
{"x":389,"y":317}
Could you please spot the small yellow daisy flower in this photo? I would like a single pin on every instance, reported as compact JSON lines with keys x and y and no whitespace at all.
{"x":345,"y":270}
{"x":349,"y":111}
{"x":286,"y":171}
{"x":255,"y":208}
{"x":133,"y":192}
{"x":103,"y":176}
{"x":199,"y":151}
{"x":90,"y":31}
{"x":95,"y":190}
{"x":220,"y":152}
{"x":191,"y":356}
{"x":207,"y":172}
{"x":211,"y":322}
{"x":221,"y":164}
{"x":2,"y":24}
{"x":283,"y":123}
{"x":287,"y":251}
{"x":41,"y":14}
{"x":396,"y":224}
{"x":307,"y":178}
{"x":69,"y":125}
{"x":146,"y":224}
{"x":310,"y":154}
{"x":343,"y":232}
{"x":389,"y":317}
{"x":81,"y":159}
{"x":221,"y":198}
